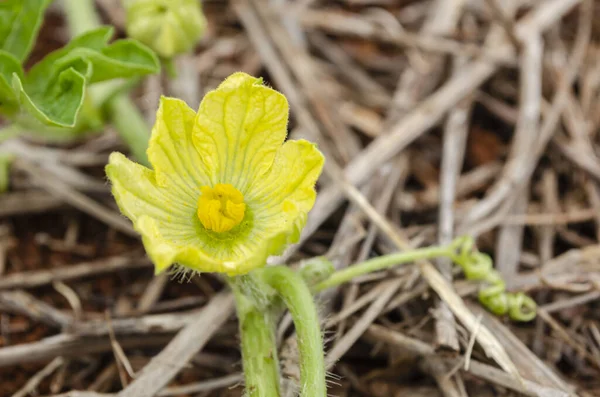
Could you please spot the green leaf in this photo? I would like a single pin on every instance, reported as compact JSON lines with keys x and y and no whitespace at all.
{"x":9,"y":65}
{"x":94,"y":40}
{"x":20,"y":22}
{"x":58,"y":104}
{"x":122,"y":59}
{"x":52,"y":93}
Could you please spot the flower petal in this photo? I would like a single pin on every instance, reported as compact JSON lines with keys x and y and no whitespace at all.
{"x":172,"y":233}
{"x":282,"y":198}
{"x":290,"y":183}
{"x":165,"y":219}
{"x":164,"y":252}
{"x":234,"y":257}
{"x":238,"y":130}
{"x":137,"y":192}
{"x":171,"y":152}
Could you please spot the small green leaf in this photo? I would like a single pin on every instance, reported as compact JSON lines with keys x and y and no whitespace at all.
{"x":122,"y":59}
{"x":20,"y":22}
{"x":96,"y":39}
{"x":52,"y":93}
{"x":9,"y":65}
{"x":58,"y":104}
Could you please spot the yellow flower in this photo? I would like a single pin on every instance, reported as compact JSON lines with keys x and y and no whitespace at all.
{"x":226,"y":192}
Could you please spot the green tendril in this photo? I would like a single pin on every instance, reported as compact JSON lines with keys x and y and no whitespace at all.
{"x":316,"y":270}
{"x":477,"y":266}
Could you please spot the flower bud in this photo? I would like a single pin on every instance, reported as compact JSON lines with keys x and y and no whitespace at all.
{"x":169,"y":27}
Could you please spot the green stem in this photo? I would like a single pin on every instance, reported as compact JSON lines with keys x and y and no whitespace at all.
{"x":300,"y":302}
{"x":259,"y":348}
{"x":81,"y":16}
{"x":383,"y":262}
{"x":122,"y":112}
{"x":130,"y":124}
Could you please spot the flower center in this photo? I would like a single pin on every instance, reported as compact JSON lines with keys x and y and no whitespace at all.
{"x":221,"y":208}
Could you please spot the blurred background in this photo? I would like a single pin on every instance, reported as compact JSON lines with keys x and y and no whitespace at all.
{"x":451,"y":117}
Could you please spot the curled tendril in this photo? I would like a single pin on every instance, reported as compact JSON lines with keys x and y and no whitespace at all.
{"x":316,"y":270}
{"x":478,"y":266}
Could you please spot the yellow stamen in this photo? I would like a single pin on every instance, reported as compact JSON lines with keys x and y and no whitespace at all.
{"x":221,"y":208}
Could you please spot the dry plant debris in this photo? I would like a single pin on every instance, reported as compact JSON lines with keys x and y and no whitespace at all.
{"x":438,"y":118}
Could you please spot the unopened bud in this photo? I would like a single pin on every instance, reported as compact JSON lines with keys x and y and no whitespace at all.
{"x":169,"y":27}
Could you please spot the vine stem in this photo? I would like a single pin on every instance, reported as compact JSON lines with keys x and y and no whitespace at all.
{"x":259,"y":348}
{"x":124,"y":115}
{"x":81,"y":16}
{"x":299,"y":300}
{"x":384,"y":262}
{"x":131,"y":125}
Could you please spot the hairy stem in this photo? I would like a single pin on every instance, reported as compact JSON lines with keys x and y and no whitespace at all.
{"x":383,"y":262}
{"x":122,"y":112}
{"x":299,"y":300}
{"x":259,"y":348}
